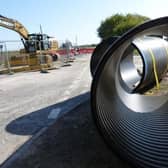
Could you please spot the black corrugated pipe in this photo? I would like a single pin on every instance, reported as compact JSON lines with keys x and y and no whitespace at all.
{"x":133,"y":124}
{"x":151,"y":53}
{"x":99,"y":52}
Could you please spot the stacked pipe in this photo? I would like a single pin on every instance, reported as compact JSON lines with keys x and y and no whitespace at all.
{"x":133,"y":124}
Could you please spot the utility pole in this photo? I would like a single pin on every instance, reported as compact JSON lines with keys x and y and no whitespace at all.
{"x":41,"y":30}
{"x":76,"y":41}
{"x":7,"y":60}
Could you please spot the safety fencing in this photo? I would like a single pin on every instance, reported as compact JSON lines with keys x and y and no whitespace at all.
{"x":14,"y":58}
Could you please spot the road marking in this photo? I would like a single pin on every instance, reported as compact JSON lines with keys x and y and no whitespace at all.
{"x":54,"y":113}
{"x":67,"y":94}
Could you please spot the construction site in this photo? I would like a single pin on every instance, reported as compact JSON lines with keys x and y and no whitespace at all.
{"x":71,"y":105}
{"x":37,"y":74}
{"x":40,"y":51}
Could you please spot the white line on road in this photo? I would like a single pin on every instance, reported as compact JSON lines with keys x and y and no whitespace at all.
{"x":67,"y":94}
{"x":54,"y":113}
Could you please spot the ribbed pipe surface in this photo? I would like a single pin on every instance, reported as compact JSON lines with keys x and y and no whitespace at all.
{"x":153,"y":52}
{"x":134,"y":125}
{"x":99,"y":52}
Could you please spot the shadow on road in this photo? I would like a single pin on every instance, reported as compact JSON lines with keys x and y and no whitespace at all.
{"x":31,"y":123}
{"x":71,"y":142}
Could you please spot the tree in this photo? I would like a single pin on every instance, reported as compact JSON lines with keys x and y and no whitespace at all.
{"x":118,"y":24}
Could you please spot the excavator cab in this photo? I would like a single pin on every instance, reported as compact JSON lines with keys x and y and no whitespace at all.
{"x":37,"y":42}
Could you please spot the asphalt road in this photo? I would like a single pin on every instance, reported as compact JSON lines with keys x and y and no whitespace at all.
{"x":32,"y":101}
{"x":71,"y":142}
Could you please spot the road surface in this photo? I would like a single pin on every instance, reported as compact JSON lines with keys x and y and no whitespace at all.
{"x":31,"y":101}
{"x":71,"y":142}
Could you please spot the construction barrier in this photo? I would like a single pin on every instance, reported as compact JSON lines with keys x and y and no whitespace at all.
{"x":13,"y":58}
{"x":76,"y":51}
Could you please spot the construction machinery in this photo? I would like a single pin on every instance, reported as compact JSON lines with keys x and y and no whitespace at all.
{"x":38,"y":47}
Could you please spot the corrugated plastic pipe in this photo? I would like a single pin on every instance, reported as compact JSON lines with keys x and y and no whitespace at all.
{"x":133,"y":124}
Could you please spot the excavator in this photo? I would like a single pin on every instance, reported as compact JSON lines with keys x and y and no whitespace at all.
{"x":35,"y":44}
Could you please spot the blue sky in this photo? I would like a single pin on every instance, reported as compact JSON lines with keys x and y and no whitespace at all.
{"x":68,"y":19}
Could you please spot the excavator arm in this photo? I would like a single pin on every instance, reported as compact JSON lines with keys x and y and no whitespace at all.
{"x":14,"y":25}
{"x":31,"y":42}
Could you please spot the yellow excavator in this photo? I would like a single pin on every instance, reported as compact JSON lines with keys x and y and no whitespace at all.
{"x":36,"y":45}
